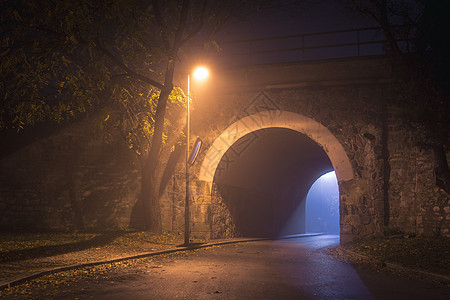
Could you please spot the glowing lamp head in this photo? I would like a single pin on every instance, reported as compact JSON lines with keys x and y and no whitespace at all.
{"x":201,"y":73}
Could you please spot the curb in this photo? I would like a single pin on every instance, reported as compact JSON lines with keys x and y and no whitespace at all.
{"x":24,"y":279}
{"x":429,"y":275}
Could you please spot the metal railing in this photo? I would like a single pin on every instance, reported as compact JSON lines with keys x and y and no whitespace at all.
{"x":310,"y":46}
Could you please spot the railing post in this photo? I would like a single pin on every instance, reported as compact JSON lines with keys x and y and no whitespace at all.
{"x":359,"y":45}
{"x":255,"y":51}
{"x":303,"y":47}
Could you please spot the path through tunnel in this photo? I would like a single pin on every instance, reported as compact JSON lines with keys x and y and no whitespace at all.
{"x":264,"y":178}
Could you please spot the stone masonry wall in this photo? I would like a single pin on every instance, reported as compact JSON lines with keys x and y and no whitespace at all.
{"x":417,"y":205}
{"x":69,"y":181}
{"x":353,"y":113}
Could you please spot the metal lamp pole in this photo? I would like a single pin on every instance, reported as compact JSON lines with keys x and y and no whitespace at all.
{"x":200,"y":73}
{"x":186,"y":207}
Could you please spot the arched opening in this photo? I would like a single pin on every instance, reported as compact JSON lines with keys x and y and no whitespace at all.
{"x":293,"y":132}
{"x":322,"y":205}
{"x":263,"y":180}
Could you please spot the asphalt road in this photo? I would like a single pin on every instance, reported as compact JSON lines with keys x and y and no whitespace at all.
{"x":297,"y":268}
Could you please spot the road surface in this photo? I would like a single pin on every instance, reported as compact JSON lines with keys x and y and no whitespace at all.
{"x":297,"y":268}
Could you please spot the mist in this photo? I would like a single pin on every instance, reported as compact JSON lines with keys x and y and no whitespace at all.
{"x":322,"y":205}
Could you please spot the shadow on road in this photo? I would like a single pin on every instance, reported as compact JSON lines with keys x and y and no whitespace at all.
{"x":50,"y":250}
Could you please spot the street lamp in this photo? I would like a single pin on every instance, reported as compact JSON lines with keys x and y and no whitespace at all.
{"x":200,"y":73}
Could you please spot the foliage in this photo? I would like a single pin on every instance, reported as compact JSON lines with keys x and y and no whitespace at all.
{"x":62,"y":59}
{"x":133,"y":116}
{"x":53,"y":250}
{"x":24,"y":241}
{"x":57,"y":248}
{"x":53,"y":66}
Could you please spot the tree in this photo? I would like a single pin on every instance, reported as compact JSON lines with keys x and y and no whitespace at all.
{"x":416,"y":38}
{"x":64,"y":59}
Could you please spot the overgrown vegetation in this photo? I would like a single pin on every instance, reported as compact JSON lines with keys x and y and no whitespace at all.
{"x":22,"y":254}
{"x":431,"y":254}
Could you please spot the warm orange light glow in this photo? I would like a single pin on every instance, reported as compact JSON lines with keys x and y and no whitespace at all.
{"x":201,"y":73}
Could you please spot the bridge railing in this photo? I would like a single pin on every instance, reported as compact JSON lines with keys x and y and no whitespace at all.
{"x":312,"y":46}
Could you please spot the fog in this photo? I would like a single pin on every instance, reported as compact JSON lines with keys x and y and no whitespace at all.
{"x":322,"y":205}
{"x":263,"y":180}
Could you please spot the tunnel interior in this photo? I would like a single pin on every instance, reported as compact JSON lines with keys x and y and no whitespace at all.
{"x":264,"y":178}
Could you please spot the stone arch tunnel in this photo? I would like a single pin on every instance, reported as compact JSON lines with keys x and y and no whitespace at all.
{"x":263,"y":180}
{"x":260,"y":168}
{"x":336,"y":104}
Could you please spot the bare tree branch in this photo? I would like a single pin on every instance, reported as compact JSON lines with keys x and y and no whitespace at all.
{"x":130,"y":72}
{"x":199,"y":26}
{"x":162,"y":27}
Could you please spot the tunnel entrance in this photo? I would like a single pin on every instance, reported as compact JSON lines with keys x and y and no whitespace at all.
{"x":263,"y":180}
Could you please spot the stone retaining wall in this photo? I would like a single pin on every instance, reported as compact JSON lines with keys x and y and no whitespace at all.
{"x":72,"y":180}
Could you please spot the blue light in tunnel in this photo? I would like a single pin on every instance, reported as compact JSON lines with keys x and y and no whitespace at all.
{"x":322,"y":205}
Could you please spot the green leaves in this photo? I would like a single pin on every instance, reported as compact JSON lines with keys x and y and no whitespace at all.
{"x":57,"y":56}
{"x":133,"y":114}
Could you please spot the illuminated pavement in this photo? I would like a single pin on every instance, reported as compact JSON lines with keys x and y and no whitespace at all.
{"x":297,"y":268}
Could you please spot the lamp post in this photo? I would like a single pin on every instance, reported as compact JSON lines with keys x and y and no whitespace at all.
{"x":200,"y":73}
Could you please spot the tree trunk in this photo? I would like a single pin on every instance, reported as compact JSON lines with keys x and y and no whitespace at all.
{"x":150,"y":180}
{"x":150,"y":199}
